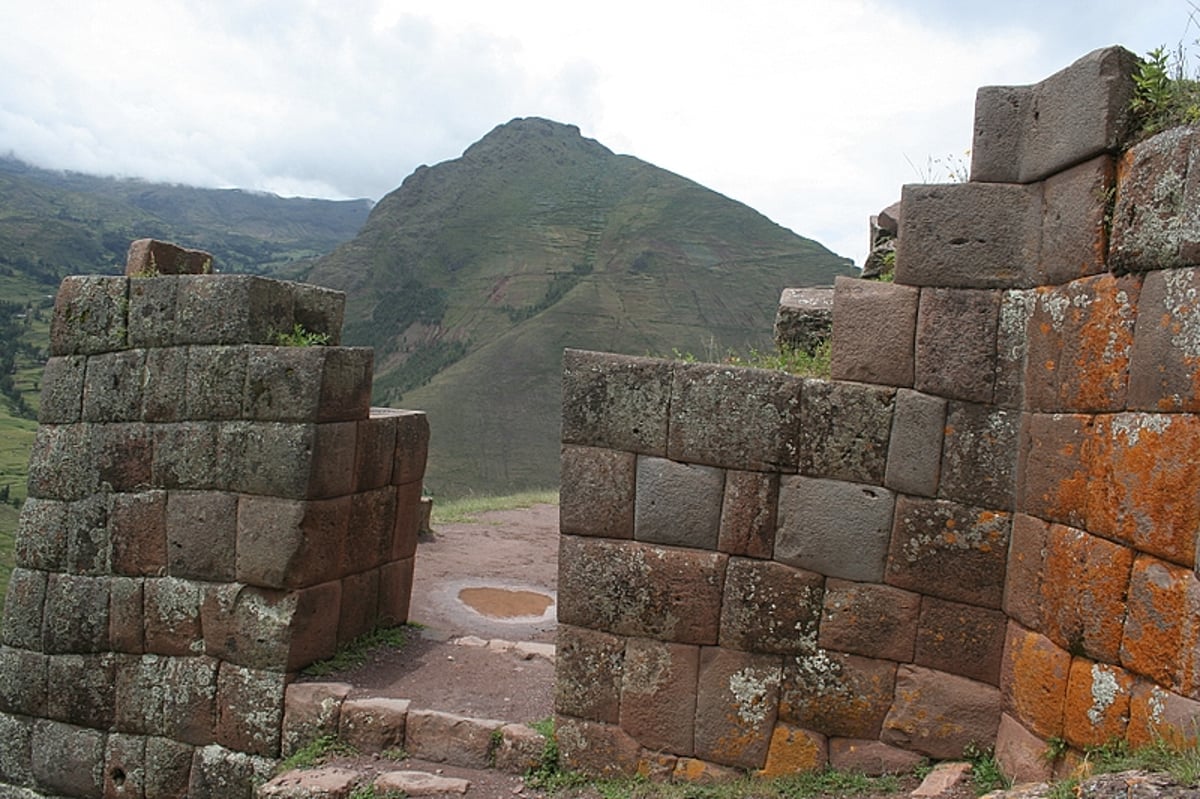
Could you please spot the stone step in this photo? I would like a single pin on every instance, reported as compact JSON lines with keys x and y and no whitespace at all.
{"x":337,"y":782}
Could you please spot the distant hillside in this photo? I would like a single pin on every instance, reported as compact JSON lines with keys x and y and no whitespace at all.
{"x":471,"y":278}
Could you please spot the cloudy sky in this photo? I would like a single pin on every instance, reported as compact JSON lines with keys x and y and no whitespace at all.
{"x":814,"y":112}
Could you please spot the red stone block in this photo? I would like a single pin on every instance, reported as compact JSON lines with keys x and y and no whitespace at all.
{"x":873,"y":758}
{"x":1020,"y":753}
{"x":1157,"y":715}
{"x":124,"y":455}
{"x":333,"y":466}
{"x":1083,"y":593}
{"x":1097,"y":707}
{"x":939,"y":714}
{"x":150,"y":258}
{"x":373,"y":724}
{"x":959,"y":639}
{"x":869,"y":619}
{"x":172,"y":616}
{"x":407,"y":522}
{"x":601,"y":750}
{"x":1033,"y":680}
{"x":748,"y":514}
{"x":956,"y":343}
{"x":1165,"y":372}
{"x":372,"y":523}
{"x":311,"y":710}
{"x":201,"y":535}
{"x":313,"y":631}
{"x":1026,"y":570}
{"x":188,"y":687}
{"x":873,"y":329}
{"x":286,"y":543}
{"x":395,"y":591}
{"x":360,"y":605}
{"x":836,"y":694}
{"x":1054,"y":467}
{"x":658,"y":694}
{"x":597,"y":491}
{"x":769,"y":607}
{"x":1162,"y":631}
{"x":251,"y":709}
{"x":589,"y":668}
{"x":412,"y":447}
{"x":736,"y":705}
{"x":794,"y":751}
{"x":449,"y":738}
{"x":137,"y":527}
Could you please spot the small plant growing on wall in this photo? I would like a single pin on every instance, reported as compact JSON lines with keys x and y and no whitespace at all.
{"x":299,"y":336}
{"x":1164,"y":93}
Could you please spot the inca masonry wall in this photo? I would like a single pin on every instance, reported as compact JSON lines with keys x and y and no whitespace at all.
{"x":981,"y":530}
{"x":208,"y":513}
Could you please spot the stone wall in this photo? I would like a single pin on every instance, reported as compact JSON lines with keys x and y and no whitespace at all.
{"x":208,"y":513}
{"x":981,"y":530}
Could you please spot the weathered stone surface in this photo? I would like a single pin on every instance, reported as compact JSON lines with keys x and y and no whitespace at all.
{"x":701,"y":772}
{"x":1033,"y":680}
{"x":794,"y":751}
{"x":86,"y":528}
{"x":603,"y":750}
{"x":333,"y":460}
{"x":188,"y":691}
{"x":311,"y":710}
{"x":1162,"y":637}
{"x":42,"y":533}
{"x":76,"y":616}
{"x":152,"y":312}
{"x":216,"y":382}
{"x":319,"y":310}
{"x":1076,"y":202}
{"x":283,"y":543}
{"x":748,"y":512}
{"x":448,"y":738}
{"x":80,"y":689}
{"x":62,"y":390}
{"x":979,"y":456}
{"x":770,"y":607}
{"x":1026,"y":570}
{"x":171,"y":616}
{"x":837,"y":694}
{"x":635,"y":589}
{"x":1012,"y":347}
{"x":678,"y":504}
{"x":395,"y":591}
{"x":950,"y":551}
{"x":1000,"y":118}
{"x":25,"y":610}
{"x":519,"y":750}
{"x":1020,"y":753}
{"x":412,"y":447}
{"x":374,"y":724}
{"x":186,"y":456}
{"x":346,"y":384}
{"x":375,"y":448}
{"x":736,"y":705}
{"x":915,"y":448}
{"x":1083,"y":593}
{"x":372,"y":524}
{"x":16,"y":765}
{"x":616,"y":401}
{"x":870,"y":757}
{"x":267,"y":458}
{"x":359,"y":606}
{"x":327,"y":782}
{"x":1053,"y":467}
{"x":1097,"y":706}
{"x":589,"y":668}
{"x":968,"y":235}
{"x":597,"y":492}
{"x":832,"y":527}
{"x":168,"y":766}
{"x":956,"y":343}
{"x":938,"y":714}
{"x":22,"y":681}
{"x":1155,"y":224}
{"x":67,"y":760}
{"x":124,"y":456}
{"x":137,"y":527}
{"x":150,"y":258}
{"x":804,"y":319}
{"x":1159,"y":715}
{"x":1080,"y":342}
{"x":218,"y":773}
{"x":407,"y":527}
{"x":1164,"y":371}
{"x":869,"y":619}
{"x":164,"y":395}
{"x":873,"y":328}
{"x":124,"y":765}
{"x":658,"y":694}
{"x":844,"y":430}
{"x":734,"y":417}
{"x":89,"y":315}
{"x":247,"y":626}
{"x":960,"y":639}
{"x":201,"y":535}
{"x":419,"y":783}
{"x":61,"y":465}
{"x":231,"y":309}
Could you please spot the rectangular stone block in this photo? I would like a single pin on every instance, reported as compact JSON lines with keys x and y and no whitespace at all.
{"x":837,"y":694}
{"x":770,"y":607}
{"x":1097,"y":706}
{"x":138,"y":684}
{"x":67,"y":760}
{"x":979,"y":455}
{"x":360,"y":605}
{"x":950,"y":551}
{"x":25,"y":609}
{"x":333,"y":460}
{"x":126,"y":620}
{"x":124,"y":766}
{"x":737,"y":703}
{"x":640,"y":590}
{"x":112,"y":386}
{"x":915,"y":447}
{"x":16,"y":764}
{"x":408,"y":522}
{"x":201,"y":535}
{"x":186,"y":456}
{"x":274,"y":459}
{"x":873,"y":328}
{"x":658,"y":694}
{"x":968,"y":235}
{"x":90,"y":315}
{"x":283,"y":384}
{"x":172,"y":616}
{"x":42,"y":533}
{"x":283,"y":543}
{"x":596,"y":492}
{"x":168,"y":767}
{"x":152,"y":305}
{"x":22,"y":682}
{"x":216,"y":382}
{"x":1012,"y":347}
{"x":588,"y":672}
{"x":594,"y":748}
{"x":189,"y":699}
{"x":1080,"y":343}
{"x":1082,"y":593}
{"x":1161,"y":636}
{"x":61,"y":464}
{"x":794,"y":750}
{"x":164,"y":385}
{"x":137,"y":528}
{"x":832,"y":527}
{"x":1001,"y":115}
{"x":62,"y":390}
{"x":1053,"y":472}
{"x":616,"y":401}
{"x":869,"y":619}
{"x":373,"y":724}
{"x":395,"y":591}
{"x":311,"y":710}
{"x":370,"y":528}
{"x":314,"y":623}
{"x":1076,"y":205}
{"x":449,"y":738}
{"x":319,"y":310}
{"x":76,"y":617}
{"x":246,"y":626}
{"x":1026,"y":570}
{"x":375,"y":449}
{"x":873,"y":758}
{"x":1155,"y":224}
{"x":960,"y":639}
{"x":412,"y":447}
{"x":748,"y":512}
{"x":346,"y":384}
{"x":939,"y":714}
{"x":956,"y":343}
{"x":218,"y":773}
{"x":81,"y":690}
{"x":1164,"y":371}
{"x":1157,"y":715}
{"x":1021,"y":754}
{"x":734,"y":417}
{"x":1033,"y":680}
{"x":124,"y":455}
{"x":231,"y":309}
{"x":250,"y":705}
{"x":678,"y":504}
{"x":844,"y":430}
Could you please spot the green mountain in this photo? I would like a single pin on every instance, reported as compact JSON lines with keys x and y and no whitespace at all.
{"x":471,"y":278}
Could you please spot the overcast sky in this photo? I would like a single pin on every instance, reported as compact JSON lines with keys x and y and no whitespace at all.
{"x":813,"y":112}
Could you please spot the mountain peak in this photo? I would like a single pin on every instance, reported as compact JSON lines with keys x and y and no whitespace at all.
{"x":533,"y":137}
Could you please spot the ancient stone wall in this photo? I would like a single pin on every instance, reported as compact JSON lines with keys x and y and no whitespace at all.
{"x":208,"y":513}
{"x":981,"y":530}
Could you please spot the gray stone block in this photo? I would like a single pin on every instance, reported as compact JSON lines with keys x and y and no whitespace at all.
{"x":90,"y":316}
{"x":1076,"y":209}
{"x":171,"y":617}
{"x":284,"y":543}
{"x":16,"y":764}
{"x":67,"y":760}
{"x":216,"y":382}
{"x":186,"y":456}
{"x":76,"y":617}
{"x":734,"y":417}
{"x":1001,"y":115}
{"x":873,"y":328}
{"x":1012,"y":345}
{"x":201,"y":535}
{"x":1156,"y":221}
{"x":969,"y":235}
{"x":956,"y":343}
{"x":62,"y":390}
{"x":88,"y":547}
{"x":310,"y":710}
{"x":41,"y":541}
{"x":168,"y":767}
{"x":250,"y":705}
{"x":231,"y":309}
{"x":1164,"y":368}
{"x":266,"y":458}
{"x":915,"y":448}
{"x":24,"y":609}
{"x":283,"y":384}
{"x":163,"y":395}
{"x":844,"y":430}
{"x":589,"y":667}
{"x":126,"y":617}
{"x":61,"y":464}
{"x":770,"y":607}
{"x":219,"y":773}
{"x":125,"y":765}
{"x":152,"y":312}
{"x":82,"y":690}
{"x":836,"y":528}
{"x":23,"y":683}
{"x":333,"y":460}
{"x":319,"y":310}
{"x":804,"y":320}
{"x":616,"y":401}
{"x":678,"y":503}
{"x":412,"y":447}
{"x":596,"y":493}
{"x":375,"y":449}
{"x":979,"y":455}
{"x":346,"y":384}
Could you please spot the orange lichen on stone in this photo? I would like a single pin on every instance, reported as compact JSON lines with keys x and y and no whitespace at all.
{"x":1083,"y":593}
{"x":1097,"y":706}
{"x":1034,"y":680}
{"x":1162,"y":632}
{"x":690,"y":769}
{"x":794,"y":750}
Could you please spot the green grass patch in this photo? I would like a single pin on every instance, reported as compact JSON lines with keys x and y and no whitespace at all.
{"x":315,"y":753}
{"x":357,"y":651}
{"x":465,"y":509}
{"x":828,"y":783}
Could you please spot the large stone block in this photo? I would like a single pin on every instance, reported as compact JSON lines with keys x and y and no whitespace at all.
{"x":172,"y":616}
{"x":124,"y":766}
{"x":250,"y":705}
{"x":968,"y":235}
{"x":658,"y":694}
{"x":678,"y":504}
{"x":333,"y":460}
{"x":596,"y":494}
{"x":1026,"y":570}
{"x":640,"y":590}
{"x":137,"y":528}
{"x":956,"y":343}
{"x":218,"y":773}
{"x":869,"y":619}
{"x":395,"y":591}
{"x":873,"y":758}
{"x":939,"y":714}
{"x":168,"y":767}
{"x":1053,"y":471}
{"x":62,"y":390}
{"x":1024,"y":133}
{"x":67,"y":760}
{"x":346,"y":383}
{"x":274,"y":459}
{"x":734,"y":417}
{"x":408,"y":523}
{"x":1097,"y":706}
{"x":616,"y":401}
{"x":1162,"y":636}
{"x":42,"y":534}
{"x":915,"y":447}
{"x":949,"y":551}
{"x":1076,"y":205}
{"x":231,"y":309}
{"x":152,"y":305}
{"x":201,"y":535}
{"x":519,"y":750}
{"x":412,"y":447}
{"x":736,"y":706}
{"x":1158,"y":715}
{"x":844,"y":430}
{"x":960,"y":639}
{"x":1020,"y":753}
{"x":1083,"y":591}
{"x":1156,"y":221}
{"x":360,"y":605}
{"x":804,"y":319}
{"x":836,"y":694}
{"x":16,"y":765}
{"x":22,"y":682}
{"x":186,"y":456}
{"x":1012,"y":347}
{"x":748,"y":513}
{"x":449,"y":738}
{"x":216,"y":382}
{"x":149,"y":258}
{"x":371,"y":527}
{"x":314,"y":624}
{"x":126,"y":615}
{"x":61,"y":465}
{"x":794,"y":750}
{"x":979,"y":455}
{"x":602,"y":750}
{"x":1080,"y":343}
{"x":188,"y":691}
{"x":1164,"y":373}
{"x":838,"y":529}
{"x":375,"y":449}
{"x":90,"y":315}
{"x":873,"y":328}
{"x":247,"y":626}
{"x":164,"y":394}
{"x":25,"y":608}
{"x":319,"y":310}
{"x":589,"y":668}
{"x":770,"y":607}
{"x":311,"y":710}
{"x":81,"y":690}
{"x":124,"y":456}
{"x":284,"y":543}
{"x":76,"y":617}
